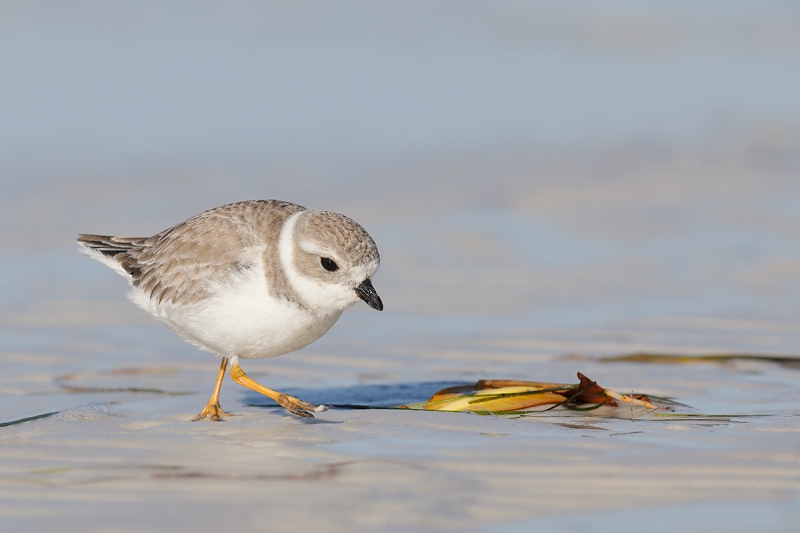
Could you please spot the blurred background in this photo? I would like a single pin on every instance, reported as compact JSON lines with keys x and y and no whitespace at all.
{"x":625,"y":173}
{"x":548,"y":182}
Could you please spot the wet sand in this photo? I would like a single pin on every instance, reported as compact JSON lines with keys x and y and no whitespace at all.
{"x":503,"y":256}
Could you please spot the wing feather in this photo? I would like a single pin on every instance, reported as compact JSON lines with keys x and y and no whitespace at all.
{"x":182,"y":264}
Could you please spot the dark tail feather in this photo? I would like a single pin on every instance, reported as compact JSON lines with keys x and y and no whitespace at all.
{"x":110,"y":246}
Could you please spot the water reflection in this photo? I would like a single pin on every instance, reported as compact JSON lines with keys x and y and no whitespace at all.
{"x":547,"y":184}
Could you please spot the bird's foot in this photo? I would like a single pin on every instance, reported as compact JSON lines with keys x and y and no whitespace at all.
{"x":299,"y":407}
{"x":213,"y":411}
{"x":290,"y":403}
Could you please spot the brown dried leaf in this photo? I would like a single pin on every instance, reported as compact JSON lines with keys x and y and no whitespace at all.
{"x":591,"y":392}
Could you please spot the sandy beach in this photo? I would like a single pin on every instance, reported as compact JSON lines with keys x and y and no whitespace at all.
{"x":548,"y":188}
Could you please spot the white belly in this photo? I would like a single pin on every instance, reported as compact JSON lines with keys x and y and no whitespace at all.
{"x":243,"y":320}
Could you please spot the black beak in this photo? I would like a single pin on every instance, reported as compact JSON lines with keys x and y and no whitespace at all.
{"x":367,"y":293}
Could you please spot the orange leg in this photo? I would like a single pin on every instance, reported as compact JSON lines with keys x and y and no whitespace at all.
{"x":292,"y":404}
{"x":212,"y":408}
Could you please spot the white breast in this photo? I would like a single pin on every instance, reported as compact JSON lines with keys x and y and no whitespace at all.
{"x":243,"y":319}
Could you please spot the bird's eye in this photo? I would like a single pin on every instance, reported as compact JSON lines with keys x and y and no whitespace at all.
{"x":329,"y":264}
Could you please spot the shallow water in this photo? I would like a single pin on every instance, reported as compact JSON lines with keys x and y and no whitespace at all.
{"x":547,"y":187}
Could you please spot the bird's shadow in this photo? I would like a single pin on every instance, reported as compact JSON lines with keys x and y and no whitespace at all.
{"x":357,"y":396}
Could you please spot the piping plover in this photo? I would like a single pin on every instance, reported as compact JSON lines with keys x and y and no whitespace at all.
{"x":247,"y":280}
